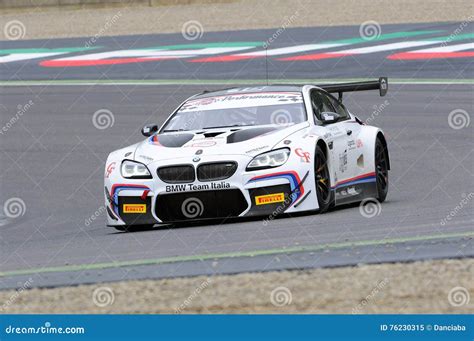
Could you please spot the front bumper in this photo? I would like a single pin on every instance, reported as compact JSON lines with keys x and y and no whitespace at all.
{"x":260,"y":193}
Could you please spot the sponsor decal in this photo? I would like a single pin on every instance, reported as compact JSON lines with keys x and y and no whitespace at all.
{"x":350,"y":191}
{"x":110,"y":168}
{"x":351,"y":144}
{"x":147,"y":158}
{"x":269,"y":198}
{"x":117,"y":188}
{"x":359,"y":143}
{"x":134,"y":208}
{"x":197,"y":187}
{"x":203,"y":144}
{"x":257,"y":149}
{"x":304,"y":156}
{"x":296,"y":185}
{"x":241,"y":101}
{"x":343,"y":161}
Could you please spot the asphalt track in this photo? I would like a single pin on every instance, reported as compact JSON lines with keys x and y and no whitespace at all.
{"x":53,"y":158}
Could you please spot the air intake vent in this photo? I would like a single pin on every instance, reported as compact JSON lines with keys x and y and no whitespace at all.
{"x":216,"y":171}
{"x":176,"y":174}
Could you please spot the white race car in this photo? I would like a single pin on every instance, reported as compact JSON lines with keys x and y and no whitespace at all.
{"x":255,"y":151}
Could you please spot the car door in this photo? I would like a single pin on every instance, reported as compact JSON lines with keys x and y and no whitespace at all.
{"x":336,"y":135}
{"x":354,"y":145}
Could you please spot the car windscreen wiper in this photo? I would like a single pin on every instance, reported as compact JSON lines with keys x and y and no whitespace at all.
{"x":173,"y":130}
{"x":234,"y":125}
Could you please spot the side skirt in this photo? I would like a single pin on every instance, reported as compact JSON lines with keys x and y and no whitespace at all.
{"x":346,"y":194}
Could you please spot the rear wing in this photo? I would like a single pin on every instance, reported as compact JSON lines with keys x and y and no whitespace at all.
{"x":381,"y":85}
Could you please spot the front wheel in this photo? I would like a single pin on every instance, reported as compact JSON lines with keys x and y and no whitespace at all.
{"x":381,"y":170}
{"x":322,"y":180}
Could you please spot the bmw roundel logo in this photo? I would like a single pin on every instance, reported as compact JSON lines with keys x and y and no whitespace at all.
{"x":196,"y":159}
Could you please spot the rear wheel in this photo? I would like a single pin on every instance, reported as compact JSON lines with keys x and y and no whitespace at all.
{"x":322,"y":180}
{"x":381,"y":170}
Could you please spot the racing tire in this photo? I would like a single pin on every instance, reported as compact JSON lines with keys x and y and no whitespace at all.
{"x":381,"y":170}
{"x":322,"y":181}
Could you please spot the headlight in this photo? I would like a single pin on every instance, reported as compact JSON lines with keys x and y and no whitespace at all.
{"x":271,"y":159}
{"x":134,"y":170}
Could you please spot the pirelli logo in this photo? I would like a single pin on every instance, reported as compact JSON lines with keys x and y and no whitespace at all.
{"x":134,"y":208}
{"x":269,"y":198}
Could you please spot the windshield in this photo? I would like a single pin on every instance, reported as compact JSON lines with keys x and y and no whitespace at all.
{"x":251,"y":109}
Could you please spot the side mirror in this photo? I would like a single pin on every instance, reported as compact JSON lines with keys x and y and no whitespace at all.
{"x":149,"y":129}
{"x":329,"y":117}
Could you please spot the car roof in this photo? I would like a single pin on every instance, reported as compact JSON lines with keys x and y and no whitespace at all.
{"x":249,"y":89}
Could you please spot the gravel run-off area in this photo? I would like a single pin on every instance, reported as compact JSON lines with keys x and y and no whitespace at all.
{"x":443,"y":286}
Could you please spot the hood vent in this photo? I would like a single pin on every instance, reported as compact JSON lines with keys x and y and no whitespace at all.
{"x":173,"y":140}
{"x":247,"y":134}
{"x":213,"y":134}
